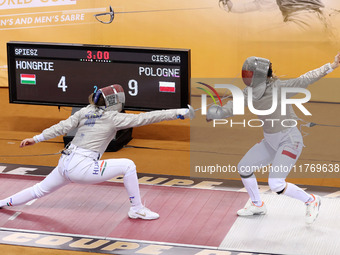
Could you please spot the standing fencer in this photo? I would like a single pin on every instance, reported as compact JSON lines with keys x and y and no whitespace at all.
{"x":80,"y":162}
{"x":282,"y":145}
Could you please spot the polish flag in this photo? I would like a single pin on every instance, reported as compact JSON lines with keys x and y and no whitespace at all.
{"x":165,"y":86}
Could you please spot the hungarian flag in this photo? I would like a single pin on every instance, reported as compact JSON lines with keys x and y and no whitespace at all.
{"x":165,"y":86}
{"x":28,"y":79}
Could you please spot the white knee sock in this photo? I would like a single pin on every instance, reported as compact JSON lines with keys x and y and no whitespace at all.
{"x":253,"y":190}
{"x":19,"y":198}
{"x":132,"y":186}
{"x":295,"y":192}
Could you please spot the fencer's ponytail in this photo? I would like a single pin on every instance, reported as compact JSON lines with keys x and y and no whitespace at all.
{"x":271,"y":74}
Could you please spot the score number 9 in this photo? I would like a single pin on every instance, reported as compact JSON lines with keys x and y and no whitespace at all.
{"x":133,"y":88}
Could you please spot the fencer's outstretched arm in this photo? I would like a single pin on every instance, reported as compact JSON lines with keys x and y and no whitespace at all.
{"x":123,"y":120}
{"x":119,"y":121}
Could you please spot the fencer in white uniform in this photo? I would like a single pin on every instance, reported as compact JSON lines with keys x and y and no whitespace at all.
{"x":282,"y":144}
{"x":80,"y":162}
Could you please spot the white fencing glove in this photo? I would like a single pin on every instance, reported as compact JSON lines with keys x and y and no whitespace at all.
{"x":216,"y":112}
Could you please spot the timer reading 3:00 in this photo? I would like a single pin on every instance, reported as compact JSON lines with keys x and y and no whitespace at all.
{"x":98,"y":55}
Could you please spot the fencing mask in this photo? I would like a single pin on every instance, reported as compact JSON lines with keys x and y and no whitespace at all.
{"x":255,"y":74}
{"x":113,"y":95}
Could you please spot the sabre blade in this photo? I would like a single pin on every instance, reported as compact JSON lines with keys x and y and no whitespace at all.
{"x":166,"y":10}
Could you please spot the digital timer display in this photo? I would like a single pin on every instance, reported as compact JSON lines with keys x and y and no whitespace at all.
{"x":98,"y":55}
{"x":65,"y":74}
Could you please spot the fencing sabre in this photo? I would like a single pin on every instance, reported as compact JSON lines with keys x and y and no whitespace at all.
{"x":112,"y":13}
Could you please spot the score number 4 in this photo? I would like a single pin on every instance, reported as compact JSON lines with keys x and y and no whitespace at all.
{"x":62,"y":83}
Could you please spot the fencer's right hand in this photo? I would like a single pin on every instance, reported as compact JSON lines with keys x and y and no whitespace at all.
{"x":26,"y":142}
{"x":185,"y":113}
{"x":216,"y":112}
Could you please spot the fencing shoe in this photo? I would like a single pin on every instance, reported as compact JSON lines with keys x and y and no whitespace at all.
{"x":143,"y":213}
{"x":312,"y":210}
{"x":252,"y":209}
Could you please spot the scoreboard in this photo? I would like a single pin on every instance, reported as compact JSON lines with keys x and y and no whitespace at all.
{"x":66,"y":74}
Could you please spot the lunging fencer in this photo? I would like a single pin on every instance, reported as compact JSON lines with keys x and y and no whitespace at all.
{"x":80,"y":162}
{"x":282,"y":145}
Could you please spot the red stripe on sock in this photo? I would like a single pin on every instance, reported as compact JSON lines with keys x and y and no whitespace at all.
{"x":289,"y":154}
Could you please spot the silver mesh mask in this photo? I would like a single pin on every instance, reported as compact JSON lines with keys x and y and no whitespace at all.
{"x":255,"y":74}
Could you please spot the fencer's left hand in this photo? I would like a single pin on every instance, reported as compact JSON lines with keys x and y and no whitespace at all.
{"x":336,"y":62}
{"x":26,"y":142}
{"x":217,"y":112}
{"x":185,"y":113}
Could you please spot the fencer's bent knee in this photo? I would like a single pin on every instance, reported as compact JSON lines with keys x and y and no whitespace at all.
{"x":130,"y":167}
{"x":277,"y":185}
{"x":244,"y":170}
